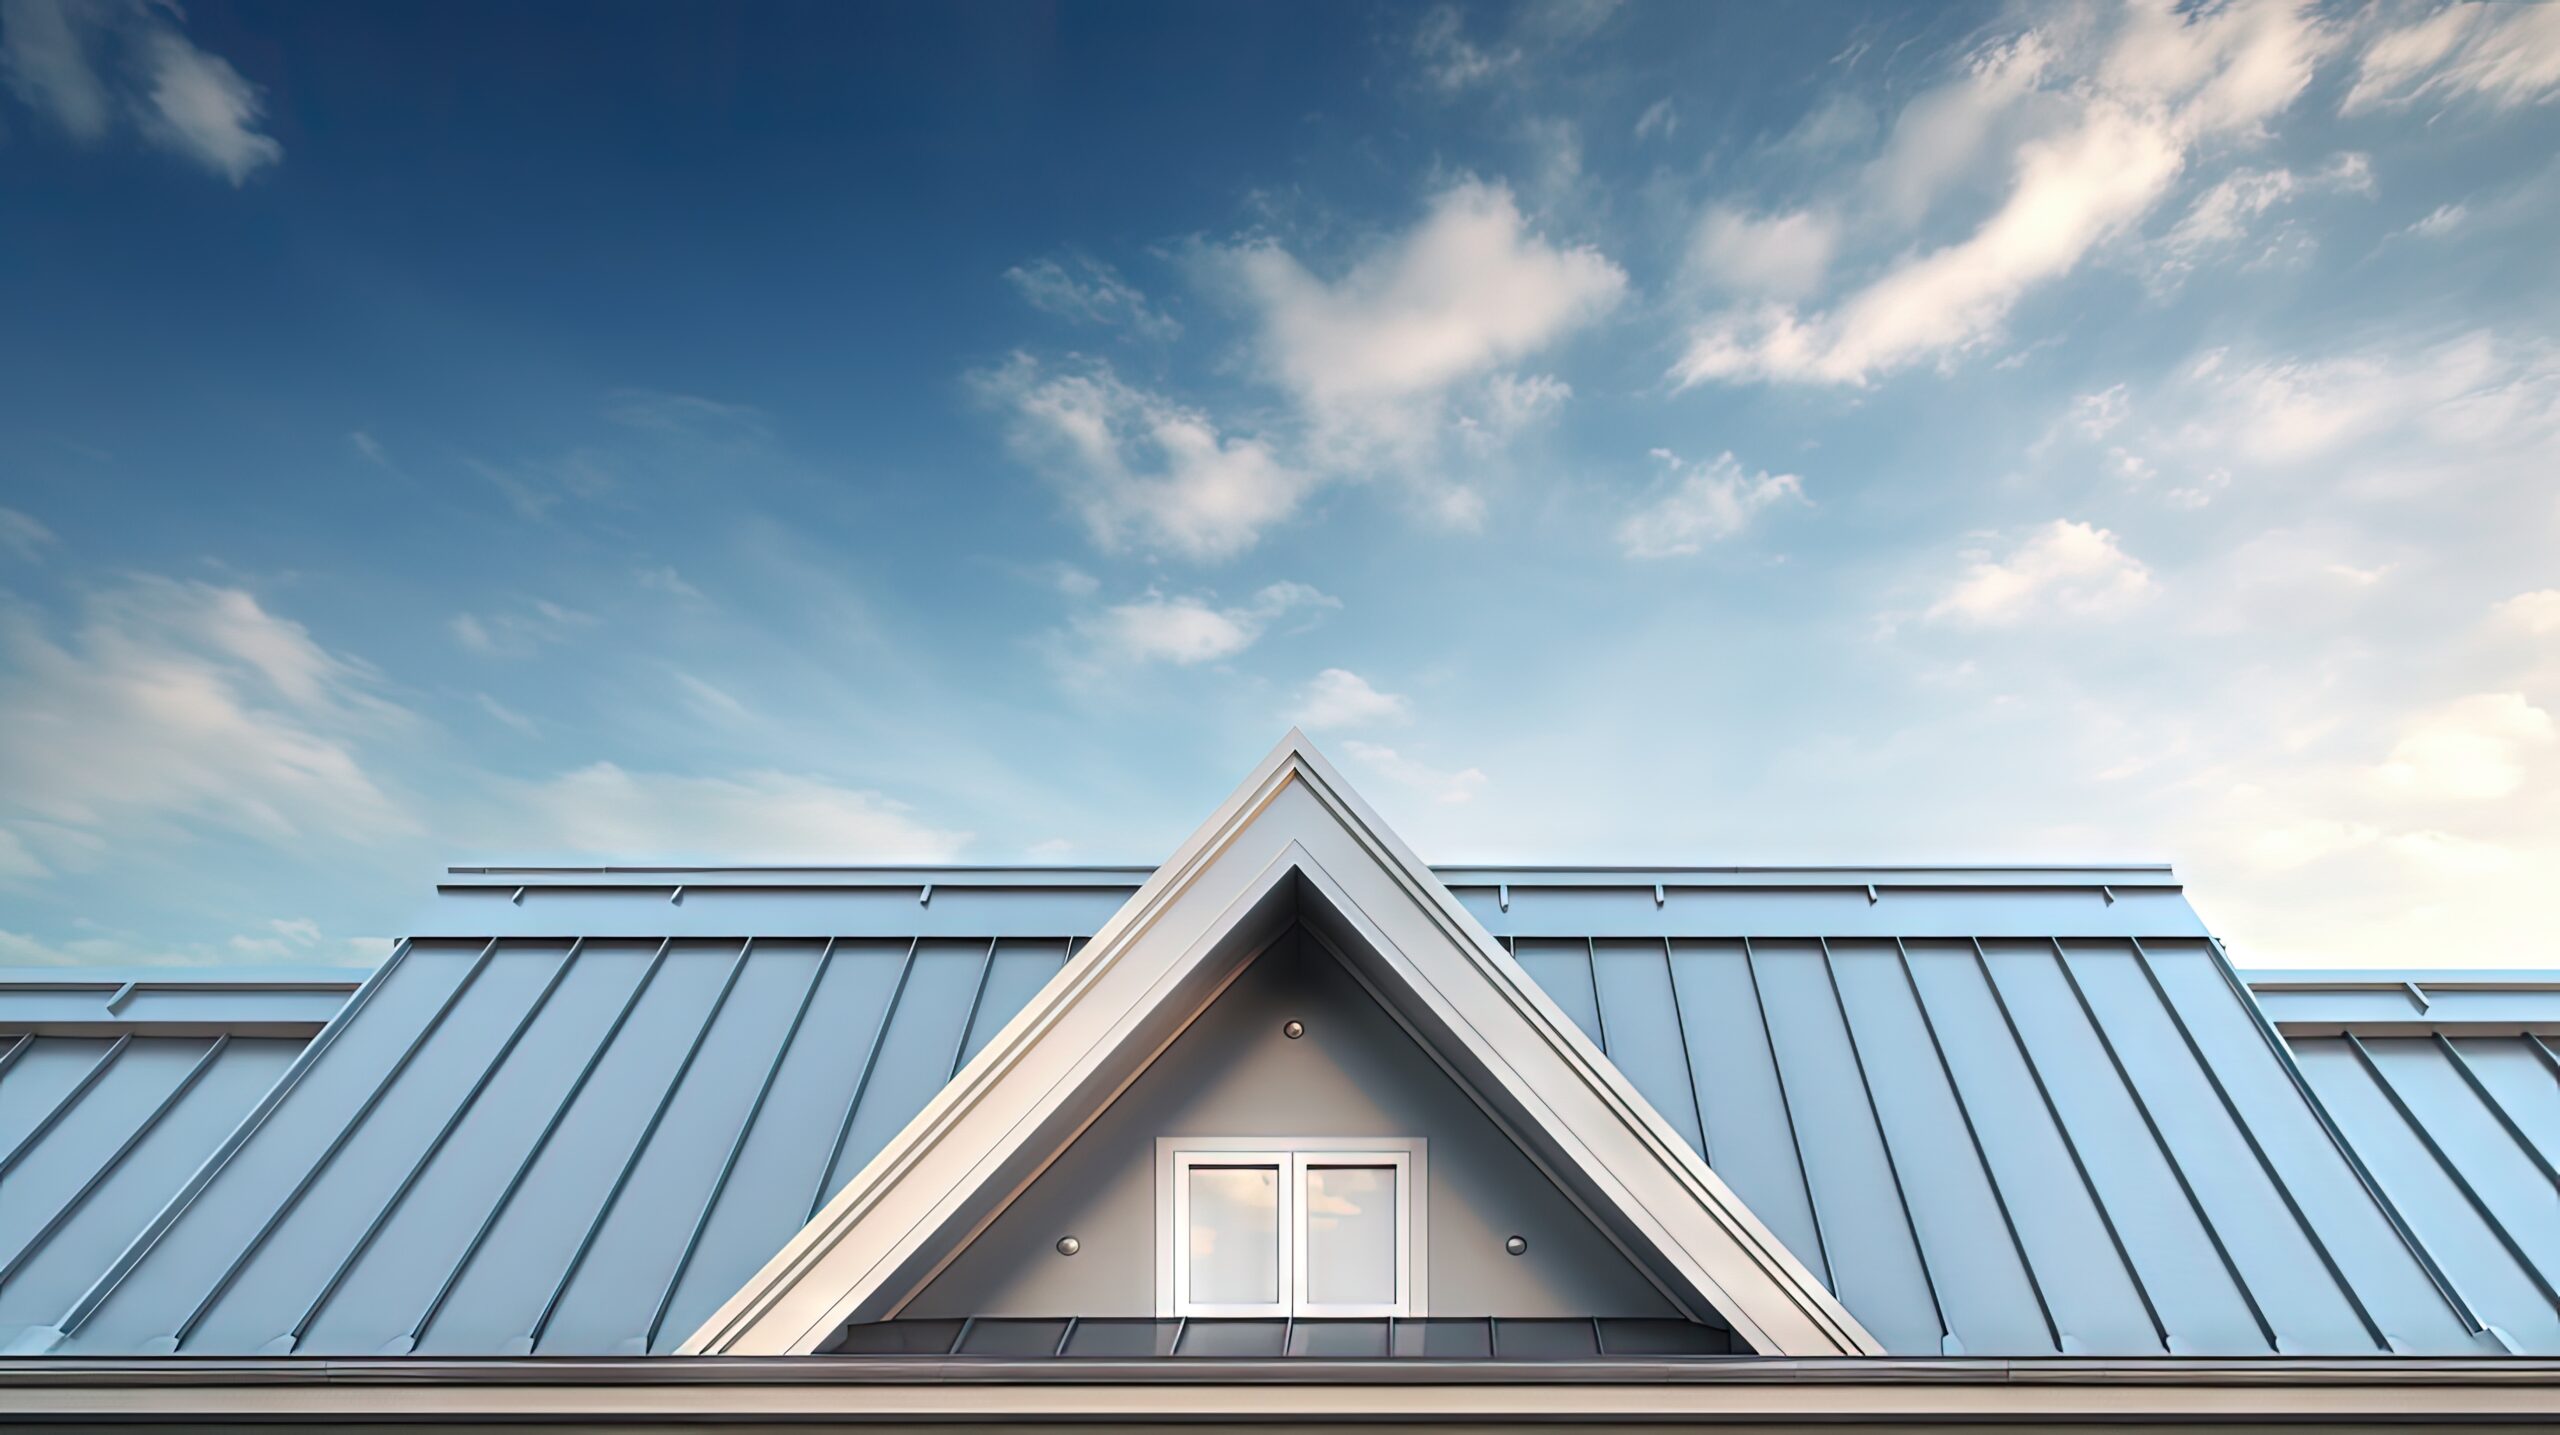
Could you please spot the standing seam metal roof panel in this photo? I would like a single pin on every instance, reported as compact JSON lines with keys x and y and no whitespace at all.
{"x":1984,"y":1142}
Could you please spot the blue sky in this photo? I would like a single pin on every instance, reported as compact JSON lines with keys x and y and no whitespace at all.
{"x":1662,"y":433}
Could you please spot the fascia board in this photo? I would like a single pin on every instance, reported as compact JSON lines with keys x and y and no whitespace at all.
{"x":1898,"y":1394}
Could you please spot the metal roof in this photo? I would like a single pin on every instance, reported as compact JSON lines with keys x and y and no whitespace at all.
{"x":114,"y":1090}
{"x":2448,"y":1086}
{"x":2001,"y":1111}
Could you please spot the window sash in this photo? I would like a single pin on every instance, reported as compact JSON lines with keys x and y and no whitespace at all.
{"x":1304,"y":1163}
{"x":1292,"y":1162}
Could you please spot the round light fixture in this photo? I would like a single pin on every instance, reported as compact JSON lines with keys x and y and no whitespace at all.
{"x":1293,"y":1029}
{"x":1517,"y":1245}
{"x":1069,"y":1245}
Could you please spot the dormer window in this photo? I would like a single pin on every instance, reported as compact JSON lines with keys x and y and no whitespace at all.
{"x":1318,"y":1227}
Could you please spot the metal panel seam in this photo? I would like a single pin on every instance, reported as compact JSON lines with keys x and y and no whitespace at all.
{"x":62,"y":1215}
{"x":1892,"y":1168}
{"x":2159,"y":1141}
{"x":337,"y":1143}
{"x":2070,"y":1145}
{"x":2249,"y":1134}
{"x":639,"y":1148}
{"x":417,"y":1168}
{"x":729,"y":1163}
{"x":862,"y":1082}
{"x":541,"y":1142}
{"x":176,"y":1206}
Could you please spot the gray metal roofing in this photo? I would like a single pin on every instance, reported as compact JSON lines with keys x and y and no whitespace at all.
{"x":2003,"y":1112}
{"x":2447,"y":1084}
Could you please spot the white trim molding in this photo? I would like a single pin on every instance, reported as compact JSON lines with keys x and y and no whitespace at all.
{"x":1293,"y":844}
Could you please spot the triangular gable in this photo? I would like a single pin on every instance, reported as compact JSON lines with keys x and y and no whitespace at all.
{"x":1293,"y":843}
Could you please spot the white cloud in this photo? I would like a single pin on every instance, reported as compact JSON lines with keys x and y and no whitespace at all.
{"x":2135,"y":110}
{"x":17,"y":862}
{"x":44,"y":52}
{"x":508,"y":716}
{"x":1186,"y":630}
{"x":22,"y":535}
{"x":2537,"y":612}
{"x":2063,"y":568}
{"x":202,"y":108}
{"x":1441,"y":785}
{"x":1774,"y":255}
{"x":2476,"y":749}
{"x":1138,"y":467}
{"x":518,"y":634}
{"x":1404,"y":346}
{"x":668,"y":581}
{"x":1084,"y":290}
{"x":2441,"y":221}
{"x":1340,"y":698}
{"x":185,"y":703}
{"x":2502,"y":55}
{"x":607,"y":811}
{"x":1467,"y":290}
{"x":712,"y":701}
{"x":1450,"y":61}
{"x":1659,"y":120}
{"x":2221,"y":215}
{"x":86,"y":64}
{"x":1702,"y":503}
{"x":2097,"y":414}
{"x":2455,"y":399}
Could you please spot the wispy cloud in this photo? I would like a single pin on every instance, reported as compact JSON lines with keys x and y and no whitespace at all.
{"x":91,"y":66}
{"x":175,"y":704}
{"x":2063,"y":569}
{"x":1451,"y":61}
{"x":1702,"y":503}
{"x":1446,"y":786}
{"x":1185,"y":630}
{"x":1083,"y":290}
{"x":2121,"y":120}
{"x":2499,"y":55}
{"x":604,"y":810}
{"x":518,"y":632}
{"x":1139,"y":468}
{"x":1339,"y":698}
{"x":23,"y":537}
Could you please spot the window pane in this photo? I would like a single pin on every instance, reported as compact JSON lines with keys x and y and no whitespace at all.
{"x":1235,"y":1235}
{"x":1351,"y":1235}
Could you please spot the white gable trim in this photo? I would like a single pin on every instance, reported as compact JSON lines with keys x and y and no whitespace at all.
{"x":1293,"y":833}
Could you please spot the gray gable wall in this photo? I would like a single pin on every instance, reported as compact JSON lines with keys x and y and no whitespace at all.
{"x":1354,"y":1073}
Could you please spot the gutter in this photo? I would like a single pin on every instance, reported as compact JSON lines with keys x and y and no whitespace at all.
{"x":874,"y":1391}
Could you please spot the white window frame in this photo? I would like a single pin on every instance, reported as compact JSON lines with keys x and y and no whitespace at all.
{"x":1176,"y":1156}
